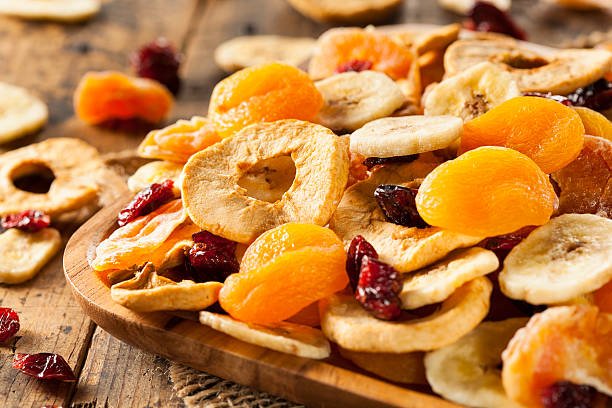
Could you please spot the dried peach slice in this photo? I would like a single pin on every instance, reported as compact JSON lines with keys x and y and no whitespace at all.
{"x":488,"y":191}
{"x":567,"y":343}
{"x":179,"y":141}
{"x":283,"y":271}
{"x":107,"y":95}
{"x":263,"y":93}
{"x":586,"y":185}
{"x":550,"y":133}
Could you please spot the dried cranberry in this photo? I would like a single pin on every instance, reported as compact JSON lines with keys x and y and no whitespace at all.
{"x":549,"y":95}
{"x":503,"y":244}
{"x":399,"y":205}
{"x":214,"y":241}
{"x":358,"y":248}
{"x":160,"y":61}
{"x":9,"y":324}
{"x":147,"y":201}
{"x":564,"y":394}
{"x":486,"y":17}
{"x":212,"y":258}
{"x":597,"y":96}
{"x":44,"y":366}
{"x":354,"y":66}
{"x":378,"y":289}
{"x":377,"y":161}
{"x":28,"y":220}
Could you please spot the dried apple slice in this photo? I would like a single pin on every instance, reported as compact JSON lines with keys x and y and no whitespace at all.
{"x":25,"y":253}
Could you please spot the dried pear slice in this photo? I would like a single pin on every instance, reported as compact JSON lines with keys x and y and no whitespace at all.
{"x":24,"y":254}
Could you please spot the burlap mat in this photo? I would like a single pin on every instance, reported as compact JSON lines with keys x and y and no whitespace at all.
{"x":198,"y":389}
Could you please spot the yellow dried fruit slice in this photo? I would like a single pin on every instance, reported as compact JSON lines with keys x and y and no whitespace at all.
{"x":24,"y":254}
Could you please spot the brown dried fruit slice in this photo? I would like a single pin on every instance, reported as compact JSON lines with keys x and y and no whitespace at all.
{"x":586,"y":185}
{"x":149,"y":292}
{"x":74,"y":165}
{"x":25,"y":253}
{"x":346,"y":323}
{"x":214,"y":200}
{"x":405,"y":368}
{"x":406,"y":249}
{"x":154,"y":172}
{"x":348,"y":11}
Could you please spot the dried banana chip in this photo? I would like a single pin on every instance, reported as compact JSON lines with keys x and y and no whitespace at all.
{"x":285,"y":337}
{"x":149,"y":292}
{"x":21,"y":112}
{"x":24,"y":254}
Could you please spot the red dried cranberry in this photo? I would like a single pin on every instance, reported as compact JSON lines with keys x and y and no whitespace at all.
{"x":398,"y":204}
{"x":597,"y":96}
{"x":488,"y":18}
{"x":212,"y":258}
{"x":503,"y":244}
{"x":358,"y":248}
{"x":147,"y":201}
{"x":564,"y":394}
{"x":213,"y":241}
{"x":44,"y":366}
{"x":354,"y":66}
{"x":377,"y":161}
{"x":28,"y":220}
{"x":9,"y":324}
{"x":549,"y":95}
{"x":378,"y":289}
{"x":159,"y":60}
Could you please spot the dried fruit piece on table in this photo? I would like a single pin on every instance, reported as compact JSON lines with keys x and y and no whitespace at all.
{"x":263,"y":93}
{"x":349,"y":325}
{"x":63,"y":11}
{"x":378,"y":289}
{"x":468,"y":371}
{"x":28,"y":220}
{"x":285,"y":337}
{"x":147,"y":201}
{"x":564,"y":259}
{"x":595,"y":124}
{"x":405,"y":368}
{"x":154,"y":172}
{"x":567,"y":343}
{"x":212,"y":258}
{"x":21,"y":112}
{"x":399,"y":205}
{"x":44,"y":366}
{"x":488,"y":191}
{"x":486,"y":17}
{"x":159,"y":60}
{"x":476,"y":90}
{"x":586,"y":183}
{"x":24,"y":254}
{"x":133,"y":244}
{"x":465,"y":6}
{"x":9,"y":324}
{"x":105,"y":96}
{"x":179,"y":141}
{"x":340,"y":46}
{"x":250,"y":50}
{"x":596,"y":96}
{"x":353,"y":99}
{"x":215,"y":201}
{"x":548,"y":132}
{"x":150,"y":292}
{"x":358,"y":248}
{"x":283,"y":271}
{"x":360,"y":12}
{"x":372,"y":162}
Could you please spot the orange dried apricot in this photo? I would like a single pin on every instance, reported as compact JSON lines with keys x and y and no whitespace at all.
{"x":602,"y":298}
{"x":308,"y":316}
{"x":283,"y":271}
{"x":586,"y":183}
{"x":107,"y":95}
{"x":180,"y":140}
{"x":263,"y":93}
{"x":486,"y":192}
{"x":595,"y":124}
{"x":348,"y":46}
{"x":550,"y":133}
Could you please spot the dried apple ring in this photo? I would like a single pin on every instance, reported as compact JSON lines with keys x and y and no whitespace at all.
{"x":347,"y":323}
{"x":215,"y":201}
{"x":72,"y":164}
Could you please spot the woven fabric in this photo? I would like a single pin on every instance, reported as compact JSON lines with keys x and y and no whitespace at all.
{"x":201,"y":390}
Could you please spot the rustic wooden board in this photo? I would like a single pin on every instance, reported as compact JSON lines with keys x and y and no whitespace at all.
{"x":316,"y":383}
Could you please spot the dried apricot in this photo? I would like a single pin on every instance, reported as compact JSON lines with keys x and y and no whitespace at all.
{"x":550,"y":133}
{"x":586,"y":183}
{"x":177,"y":142}
{"x":487,"y":191}
{"x":342,"y":46}
{"x":283,"y":271}
{"x":263,"y":93}
{"x":108,"y":95}
{"x":595,"y":124}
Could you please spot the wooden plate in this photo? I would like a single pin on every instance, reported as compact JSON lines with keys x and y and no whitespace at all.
{"x":331,"y":382}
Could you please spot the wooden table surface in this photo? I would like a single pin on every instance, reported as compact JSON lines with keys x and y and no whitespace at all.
{"x":50,"y":59}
